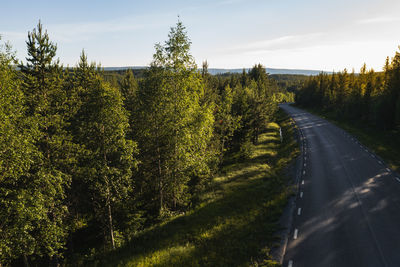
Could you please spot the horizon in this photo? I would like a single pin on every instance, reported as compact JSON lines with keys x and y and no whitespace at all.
{"x":229,"y":34}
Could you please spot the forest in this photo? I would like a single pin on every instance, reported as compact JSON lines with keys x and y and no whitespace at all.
{"x":88,"y":161}
{"x":369,"y":97}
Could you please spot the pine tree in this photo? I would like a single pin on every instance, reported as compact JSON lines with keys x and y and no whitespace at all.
{"x":128,"y":87}
{"x":50,"y":177}
{"x":393,"y":87}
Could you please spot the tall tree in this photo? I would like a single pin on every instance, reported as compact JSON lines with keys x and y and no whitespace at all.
{"x":46,"y":107}
{"x":20,"y":211}
{"x":173,"y":128}
{"x":101,"y":125}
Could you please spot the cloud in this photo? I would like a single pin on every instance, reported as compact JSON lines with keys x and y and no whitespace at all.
{"x":378,"y":20}
{"x":280,"y":43}
{"x":72,"y":32}
{"x":85,"y":31}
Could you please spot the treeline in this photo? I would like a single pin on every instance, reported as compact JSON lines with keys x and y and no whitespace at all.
{"x":370,"y":97}
{"x":86,"y":164}
{"x":285,"y":84}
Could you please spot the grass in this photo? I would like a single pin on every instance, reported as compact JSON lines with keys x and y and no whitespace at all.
{"x":236,"y":222}
{"x":386,"y":144}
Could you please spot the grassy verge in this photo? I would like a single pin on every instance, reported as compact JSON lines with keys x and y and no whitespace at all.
{"x":235,"y":224}
{"x":386,"y":144}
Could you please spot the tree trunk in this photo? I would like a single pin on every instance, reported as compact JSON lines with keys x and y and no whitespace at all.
{"x":160,"y":185}
{"x":108,"y":203}
{"x":221,"y":156}
{"x":111,"y":225}
{"x":26,"y":263}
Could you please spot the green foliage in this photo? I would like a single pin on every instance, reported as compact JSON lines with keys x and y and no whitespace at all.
{"x":370,"y":97}
{"x":128,"y":87}
{"x":235,"y":223}
{"x":49,"y":173}
{"x":225,"y":122}
{"x":254,"y":103}
{"x":91,"y":160}
{"x":17,"y":194}
{"x":100,"y":128}
{"x":173,"y":127}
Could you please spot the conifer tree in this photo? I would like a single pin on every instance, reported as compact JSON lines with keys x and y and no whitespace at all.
{"x":46,"y":108}
{"x":128,"y":87}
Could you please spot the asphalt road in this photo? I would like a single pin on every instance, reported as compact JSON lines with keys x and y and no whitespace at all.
{"x":348,"y":205}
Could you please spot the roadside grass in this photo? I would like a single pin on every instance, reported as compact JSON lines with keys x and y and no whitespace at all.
{"x":237,"y":220}
{"x":386,"y":144}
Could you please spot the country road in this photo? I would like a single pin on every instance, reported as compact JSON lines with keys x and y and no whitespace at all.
{"x":348,"y":204}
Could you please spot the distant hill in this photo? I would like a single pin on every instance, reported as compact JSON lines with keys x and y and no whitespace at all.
{"x":269,"y":70}
{"x":214,"y":71}
{"x":125,"y":68}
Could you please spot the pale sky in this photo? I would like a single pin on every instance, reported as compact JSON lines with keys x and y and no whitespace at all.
{"x":294,"y":34}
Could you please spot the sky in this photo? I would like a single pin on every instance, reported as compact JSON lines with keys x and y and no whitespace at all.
{"x":292,"y":34}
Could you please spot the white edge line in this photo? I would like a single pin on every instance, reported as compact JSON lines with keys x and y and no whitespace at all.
{"x":388,"y":169}
{"x":295,"y":233}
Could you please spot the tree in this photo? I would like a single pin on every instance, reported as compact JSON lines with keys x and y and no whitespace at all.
{"x":393,"y":89}
{"x":107,"y":160}
{"x":49,"y":174}
{"x":225,"y":122}
{"x":128,"y":87}
{"x":173,"y":127}
{"x":18,"y":212}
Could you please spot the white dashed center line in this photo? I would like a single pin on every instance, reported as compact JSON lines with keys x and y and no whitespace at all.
{"x":304,"y":172}
{"x":290,"y":264}
{"x":380,"y":162}
{"x":398,"y":179}
{"x":388,"y":169}
{"x":299,"y":211}
{"x":302,"y":182}
{"x":301,"y":193}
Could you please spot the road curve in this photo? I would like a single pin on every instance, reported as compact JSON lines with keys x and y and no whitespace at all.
{"x":348,"y":205}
